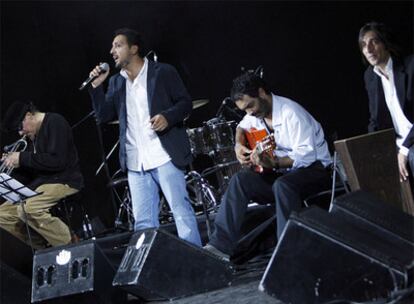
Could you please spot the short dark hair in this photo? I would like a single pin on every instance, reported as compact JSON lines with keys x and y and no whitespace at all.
{"x":247,"y":84}
{"x":16,"y":113}
{"x":384,"y":34}
{"x":133,"y":38}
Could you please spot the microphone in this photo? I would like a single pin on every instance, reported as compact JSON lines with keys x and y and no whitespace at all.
{"x":104,"y":67}
{"x":154,"y":55}
{"x":259,"y":71}
{"x":222,"y":106}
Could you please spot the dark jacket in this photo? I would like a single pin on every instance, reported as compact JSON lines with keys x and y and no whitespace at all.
{"x":52,"y":157}
{"x":380,"y":117}
{"x":166,"y":95}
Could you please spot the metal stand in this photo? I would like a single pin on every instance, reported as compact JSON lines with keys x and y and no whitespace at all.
{"x":105,"y":163}
{"x":125,"y":206}
{"x":203,"y":190}
{"x":17,"y":193}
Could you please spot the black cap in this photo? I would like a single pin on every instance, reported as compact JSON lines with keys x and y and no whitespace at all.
{"x":15,"y":115}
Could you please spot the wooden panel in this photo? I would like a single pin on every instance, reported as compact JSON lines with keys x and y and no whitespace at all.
{"x":370,"y":162}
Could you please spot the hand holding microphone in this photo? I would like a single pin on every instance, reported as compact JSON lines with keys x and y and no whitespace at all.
{"x":97,"y":75}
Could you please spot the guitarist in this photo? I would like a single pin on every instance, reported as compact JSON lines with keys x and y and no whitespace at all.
{"x":297,"y":169}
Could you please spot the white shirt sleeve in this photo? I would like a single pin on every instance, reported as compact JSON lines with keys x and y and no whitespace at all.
{"x":302,"y":138}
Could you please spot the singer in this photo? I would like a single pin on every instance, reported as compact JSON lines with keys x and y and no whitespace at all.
{"x":52,"y":161}
{"x":150,"y":101}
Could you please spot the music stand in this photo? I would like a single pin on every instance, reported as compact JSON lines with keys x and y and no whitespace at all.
{"x":16,"y":193}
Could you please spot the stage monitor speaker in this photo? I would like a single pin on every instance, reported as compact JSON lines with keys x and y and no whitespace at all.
{"x":70,"y":270}
{"x":322,"y":258}
{"x":14,"y":287}
{"x":367,"y":208}
{"x":15,"y":253}
{"x":158,"y":265}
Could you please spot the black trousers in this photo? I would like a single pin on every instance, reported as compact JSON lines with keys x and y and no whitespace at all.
{"x":287,"y":192}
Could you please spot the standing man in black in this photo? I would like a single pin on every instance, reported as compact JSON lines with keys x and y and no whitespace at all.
{"x":389,"y":81}
{"x":151,"y":102}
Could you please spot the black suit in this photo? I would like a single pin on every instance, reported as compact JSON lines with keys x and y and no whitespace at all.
{"x":166,"y":95}
{"x":380,"y":117}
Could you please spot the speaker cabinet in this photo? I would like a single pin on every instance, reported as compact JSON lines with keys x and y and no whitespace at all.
{"x":368,"y":209}
{"x":15,"y":253}
{"x":322,"y":257}
{"x":69,"y":270}
{"x":14,"y":287}
{"x":158,"y":265}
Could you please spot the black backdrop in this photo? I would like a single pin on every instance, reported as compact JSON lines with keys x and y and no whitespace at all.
{"x":308,"y":50}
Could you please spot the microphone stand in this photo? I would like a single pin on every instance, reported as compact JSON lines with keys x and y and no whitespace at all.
{"x":223,"y":105}
{"x":102,"y":152}
{"x":83,"y":119}
{"x":105,"y":163}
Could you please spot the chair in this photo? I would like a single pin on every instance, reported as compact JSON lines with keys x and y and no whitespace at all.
{"x":338,"y":185}
{"x":71,"y":211}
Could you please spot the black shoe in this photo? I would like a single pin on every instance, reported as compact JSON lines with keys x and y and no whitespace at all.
{"x":221,"y":255}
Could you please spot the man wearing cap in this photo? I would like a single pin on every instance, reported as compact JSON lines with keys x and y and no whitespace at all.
{"x":52,"y":160}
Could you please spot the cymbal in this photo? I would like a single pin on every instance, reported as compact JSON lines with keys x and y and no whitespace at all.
{"x":199,"y":103}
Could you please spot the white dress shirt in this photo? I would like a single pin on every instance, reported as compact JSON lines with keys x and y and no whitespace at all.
{"x":143,"y":147}
{"x":297,"y":134}
{"x":401,"y":124}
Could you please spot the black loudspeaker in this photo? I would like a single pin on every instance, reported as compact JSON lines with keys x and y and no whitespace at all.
{"x":322,"y":257}
{"x":15,"y":253}
{"x":158,"y":265}
{"x":368,"y":209}
{"x":70,"y":270}
{"x":14,"y":287}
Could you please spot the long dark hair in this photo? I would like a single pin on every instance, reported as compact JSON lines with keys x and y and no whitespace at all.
{"x":384,"y":34}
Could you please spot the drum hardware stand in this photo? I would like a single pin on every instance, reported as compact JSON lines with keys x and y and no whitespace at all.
{"x":201,"y":186}
{"x":125,"y":206}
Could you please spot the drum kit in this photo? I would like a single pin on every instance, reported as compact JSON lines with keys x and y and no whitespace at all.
{"x":215,"y":139}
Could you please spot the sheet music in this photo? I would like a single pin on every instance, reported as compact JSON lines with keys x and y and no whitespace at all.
{"x":13,"y":190}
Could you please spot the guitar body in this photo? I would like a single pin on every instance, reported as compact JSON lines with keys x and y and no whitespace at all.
{"x":263,"y":143}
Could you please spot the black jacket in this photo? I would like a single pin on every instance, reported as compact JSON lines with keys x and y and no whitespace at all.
{"x":52,"y":157}
{"x":167,"y":95}
{"x":380,"y":117}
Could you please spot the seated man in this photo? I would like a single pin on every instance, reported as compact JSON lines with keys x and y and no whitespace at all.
{"x":51,"y":158}
{"x":296,"y":169}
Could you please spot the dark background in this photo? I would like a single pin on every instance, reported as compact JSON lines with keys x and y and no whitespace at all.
{"x":308,"y":50}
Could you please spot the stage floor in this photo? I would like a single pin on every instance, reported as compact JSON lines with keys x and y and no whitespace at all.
{"x":243,"y":290}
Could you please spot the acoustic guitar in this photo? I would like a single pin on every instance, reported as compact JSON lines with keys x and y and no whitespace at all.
{"x":263,"y":142}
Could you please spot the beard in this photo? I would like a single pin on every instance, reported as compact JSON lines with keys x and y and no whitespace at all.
{"x":122,"y":64}
{"x":264,"y":108}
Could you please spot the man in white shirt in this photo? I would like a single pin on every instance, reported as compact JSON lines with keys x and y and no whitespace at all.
{"x":297,"y":168}
{"x":389,"y":81}
{"x":150,"y":101}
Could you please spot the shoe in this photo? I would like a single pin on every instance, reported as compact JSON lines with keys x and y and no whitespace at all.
{"x":221,"y":255}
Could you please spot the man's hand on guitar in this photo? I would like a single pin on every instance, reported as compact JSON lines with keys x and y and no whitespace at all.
{"x":243,"y":154}
{"x":263,"y":159}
